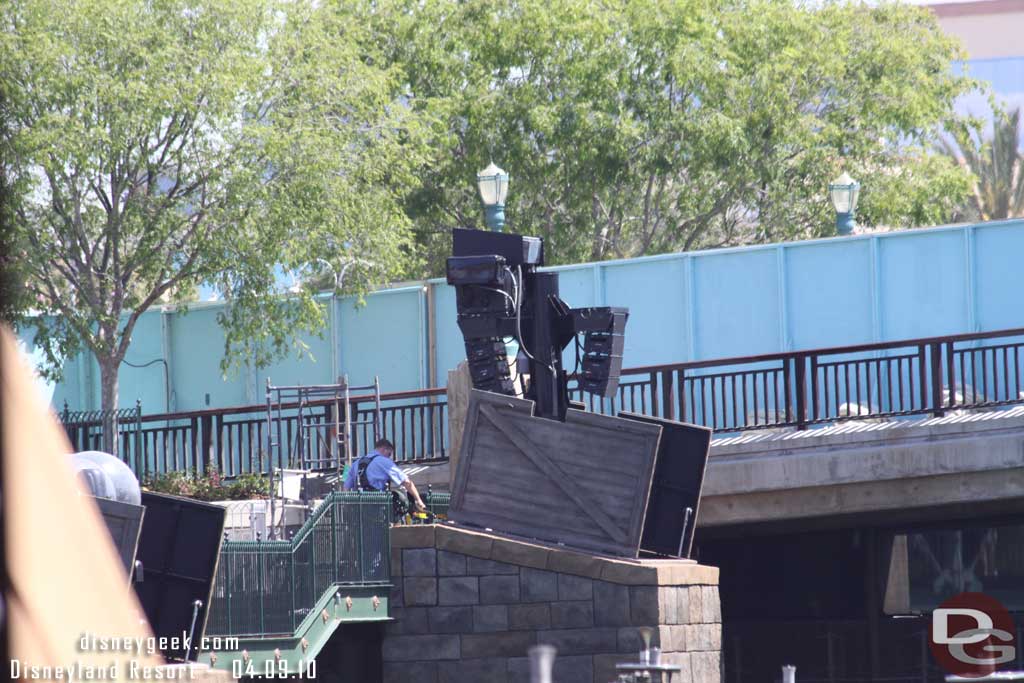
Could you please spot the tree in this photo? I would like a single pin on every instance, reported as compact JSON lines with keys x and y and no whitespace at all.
{"x":997,"y":165}
{"x":160,"y":145}
{"x":658,"y":125}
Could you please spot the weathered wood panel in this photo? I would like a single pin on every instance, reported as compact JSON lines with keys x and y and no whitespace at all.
{"x":584,"y":482}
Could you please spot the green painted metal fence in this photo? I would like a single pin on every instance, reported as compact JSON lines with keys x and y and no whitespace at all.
{"x":267,"y":588}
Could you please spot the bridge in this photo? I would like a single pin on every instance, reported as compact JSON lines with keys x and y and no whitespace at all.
{"x":849,"y":490}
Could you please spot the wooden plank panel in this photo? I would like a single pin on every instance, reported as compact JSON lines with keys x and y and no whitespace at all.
{"x":584,"y":482}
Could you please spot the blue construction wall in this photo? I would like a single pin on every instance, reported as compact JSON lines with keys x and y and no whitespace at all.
{"x":690,"y":306}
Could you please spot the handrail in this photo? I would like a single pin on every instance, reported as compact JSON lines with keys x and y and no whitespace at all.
{"x":828,"y":350}
{"x":270,"y":587}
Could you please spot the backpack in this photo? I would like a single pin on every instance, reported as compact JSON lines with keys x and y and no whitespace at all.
{"x":399,"y":498}
{"x":364,"y":464}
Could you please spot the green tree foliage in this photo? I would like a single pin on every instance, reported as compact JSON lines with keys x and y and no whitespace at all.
{"x":160,"y":145}
{"x":648,"y":126}
{"x":996,"y":163}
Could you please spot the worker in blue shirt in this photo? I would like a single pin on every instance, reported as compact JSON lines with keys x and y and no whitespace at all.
{"x":376,"y":469}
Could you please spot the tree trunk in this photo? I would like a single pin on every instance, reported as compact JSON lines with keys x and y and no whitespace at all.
{"x":108,"y":393}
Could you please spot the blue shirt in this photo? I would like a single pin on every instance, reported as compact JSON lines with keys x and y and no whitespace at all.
{"x":379,"y":472}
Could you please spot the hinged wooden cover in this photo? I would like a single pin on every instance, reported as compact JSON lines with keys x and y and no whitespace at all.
{"x":583,"y":482}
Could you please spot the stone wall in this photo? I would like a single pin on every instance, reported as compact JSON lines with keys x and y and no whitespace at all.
{"x":468,"y":605}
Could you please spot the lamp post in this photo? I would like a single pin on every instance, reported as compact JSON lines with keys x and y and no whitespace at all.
{"x":493,"y":185}
{"x":844,"y":191}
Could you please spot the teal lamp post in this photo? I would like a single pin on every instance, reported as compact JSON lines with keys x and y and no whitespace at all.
{"x":493,"y":184}
{"x":844,"y":191}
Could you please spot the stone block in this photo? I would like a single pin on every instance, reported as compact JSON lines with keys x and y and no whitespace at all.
{"x":580,"y":641}
{"x":577,"y":564}
{"x":572,"y":614}
{"x":537,"y":585}
{"x":604,"y":667}
{"x":499,"y":589}
{"x":681,"y":659}
{"x":519,"y":553}
{"x":611,"y":604}
{"x":643,"y":605}
{"x":703,"y":637}
{"x":668,"y":604}
{"x":420,"y":648}
{"x":575,"y":587}
{"x":419,"y":591}
{"x":678,"y":637}
{"x":630,"y":573}
{"x":451,"y":619}
{"x":706,"y":667}
{"x":419,"y":562}
{"x":573,"y":669}
{"x":481,"y":567}
{"x":472,"y":543}
{"x":450,"y":564}
{"x":696,"y":602}
{"x":400,"y":672}
{"x":490,"y":618}
{"x":396,"y":561}
{"x":408,"y":621}
{"x":711,"y":605}
{"x":483,"y":669}
{"x":682,"y":605}
{"x":458,"y":590}
{"x":530,"y":616}
{"x":506,"y":644}
{"x":413,"y":536}
{"x":518,"y":669}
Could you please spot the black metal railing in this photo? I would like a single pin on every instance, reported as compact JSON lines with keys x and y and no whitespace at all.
{"x":84,"y":428}
{"x":268,"y":587}
{"x":233,"y":440}
{"x":802,"y":388}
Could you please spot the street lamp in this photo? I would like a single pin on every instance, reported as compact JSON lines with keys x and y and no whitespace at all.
{"x":844,"y":191}
{"x":493,"y":184}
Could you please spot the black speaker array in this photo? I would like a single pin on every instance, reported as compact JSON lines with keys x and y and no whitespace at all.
{"x":484,"y":298}
{"x":602,"y":351}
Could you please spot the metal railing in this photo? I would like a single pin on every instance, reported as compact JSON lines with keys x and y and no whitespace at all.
{"x":233,"y":440}
{"x":268,"y":587}
{"x":84,"y":428}
{"x":797,"y":389}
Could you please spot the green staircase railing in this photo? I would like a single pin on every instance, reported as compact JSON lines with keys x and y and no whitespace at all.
{"x":267,"y":588}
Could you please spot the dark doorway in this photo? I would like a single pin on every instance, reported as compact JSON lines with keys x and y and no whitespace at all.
{"x":352,"y":655}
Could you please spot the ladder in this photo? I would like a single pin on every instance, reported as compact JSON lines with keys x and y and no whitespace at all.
{"x":321,"y":434}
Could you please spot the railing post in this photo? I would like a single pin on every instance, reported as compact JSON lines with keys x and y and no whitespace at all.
{"x":218,"y":428}
{"x":936,"y":379}
{"x":951,"y":375}
{"x":194,"y":445}
{"x":801,"y":391}
{"x":682,"y":394}
{"x":138,"y":435}
{"x":206,"y":451}
{"x":334,"y":540}
{"x":227,"y":584}
{"x":654,"y":394}
{"x":359,"y":548}
{"x":666,"y":395}
{"x":291,"y":582}
{"x":922,"y":376}
{"x":259,"y":575}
